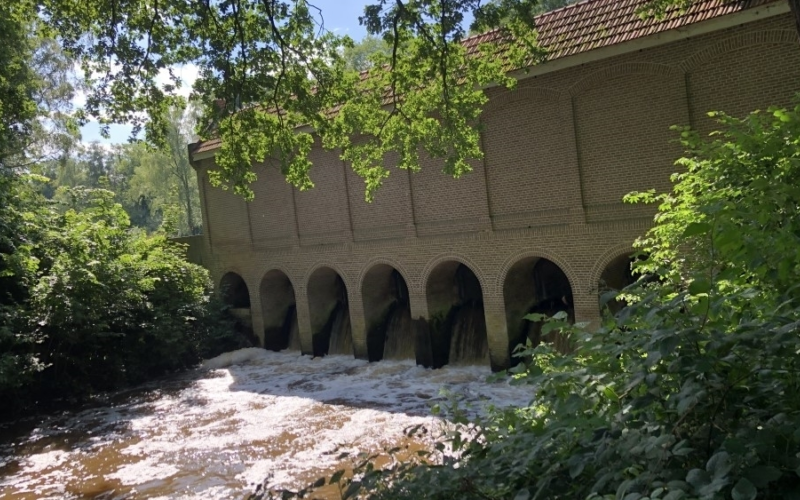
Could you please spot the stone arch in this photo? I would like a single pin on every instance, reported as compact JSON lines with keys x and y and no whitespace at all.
{"x":600,"y":76}
{"x":538,"y":253}
{"x":457,"y":321}
{"x":329,"y":311}
{"x":703,"y":56}
{"x":279,"y":311}
{"x":433,"y":263}
{"x":612,"y":271}
{"x":509,"y":97}
{"x":604,"y":260}
{"x":534,"y":284}
{"x":234,"y":290}
{"x":321,"y":264}
{"x":389,"y":262}
{"x":236,"y":295}
{"x":387,"y":313}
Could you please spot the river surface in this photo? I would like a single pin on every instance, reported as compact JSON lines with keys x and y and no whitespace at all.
{"x":245,"y":416}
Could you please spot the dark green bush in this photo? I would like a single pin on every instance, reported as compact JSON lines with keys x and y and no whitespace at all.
{"x":96,"y":305}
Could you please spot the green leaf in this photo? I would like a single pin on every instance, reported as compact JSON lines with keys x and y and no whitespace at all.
{"x":696,"y":228}
{"x":576,"y":468}
{"x":668,"y":345}
{"x":744,"y":490}
{"x":522,"y":494}
{"x":351,"y":490}
{"x":719,"y":464}
{"x":336,"y":477}
{"x":699,"y":285}
{"x":762,"y":475}
{"x":698,"y":478}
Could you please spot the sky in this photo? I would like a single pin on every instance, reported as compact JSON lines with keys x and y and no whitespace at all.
{"x":340,"y":16}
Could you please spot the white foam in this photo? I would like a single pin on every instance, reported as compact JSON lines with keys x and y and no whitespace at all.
{"x":248,"y":414}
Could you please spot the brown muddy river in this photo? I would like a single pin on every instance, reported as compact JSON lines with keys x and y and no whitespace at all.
{"x":218,"y":431}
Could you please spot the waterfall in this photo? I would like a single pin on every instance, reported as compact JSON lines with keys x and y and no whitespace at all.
{"x":468,"y":344}
{"x":292,"y":332}
{"x":341,"y":338}
{"x":399,"y":342}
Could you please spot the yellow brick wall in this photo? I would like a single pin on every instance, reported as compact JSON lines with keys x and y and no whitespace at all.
{"x":560,"y":152}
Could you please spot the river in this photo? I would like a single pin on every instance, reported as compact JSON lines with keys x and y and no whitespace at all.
{"x":217,"y":431}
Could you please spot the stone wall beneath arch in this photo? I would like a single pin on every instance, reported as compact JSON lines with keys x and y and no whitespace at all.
{"x":560,"y":152}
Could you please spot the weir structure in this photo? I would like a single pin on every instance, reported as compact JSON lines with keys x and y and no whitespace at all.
{"x":444,"y":270}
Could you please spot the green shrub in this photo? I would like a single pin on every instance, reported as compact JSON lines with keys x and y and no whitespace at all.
{"x":690,"y":392}
{"x":98,"y":305}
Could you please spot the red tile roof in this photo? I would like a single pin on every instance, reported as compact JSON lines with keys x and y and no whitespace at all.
{"x":592,"y":24}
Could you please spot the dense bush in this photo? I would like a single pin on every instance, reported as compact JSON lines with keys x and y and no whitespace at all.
{"x":690,"y":392}
{"x":90,"y":304}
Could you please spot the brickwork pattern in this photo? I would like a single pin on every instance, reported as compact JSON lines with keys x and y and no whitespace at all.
{"x":560,"y":151}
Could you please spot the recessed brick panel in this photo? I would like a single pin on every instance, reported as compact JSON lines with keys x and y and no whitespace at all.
{"x":322,"y":212}
{"x":624,"y":139}
{"x":531,"y":163}
{"x":227,"y":216}
{"x":389,"y":214}
{"x":272,"y":218}
{"x":743,"y":79}
{"x":445,"y":205}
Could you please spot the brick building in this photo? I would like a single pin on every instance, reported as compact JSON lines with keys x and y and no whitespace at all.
{"x":539,"y":221}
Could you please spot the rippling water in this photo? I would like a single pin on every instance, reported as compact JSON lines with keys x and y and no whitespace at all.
{"x":218,"y":431}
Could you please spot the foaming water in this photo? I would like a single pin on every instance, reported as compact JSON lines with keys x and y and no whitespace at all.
{"x":246,"y":415}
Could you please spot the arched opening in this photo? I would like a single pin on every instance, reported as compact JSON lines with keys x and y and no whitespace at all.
{"x":236,"y":296}
{"x":330,"y":314}
{"x":457,"y":321}
{"x":617,"y":275}
{"x":387,"y":314}
{"x":279,"y":310}
{"x":234,"y":291}
{"x":535,"y":285}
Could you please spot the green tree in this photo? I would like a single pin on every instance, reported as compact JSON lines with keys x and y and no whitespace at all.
{"x":257,"y":57}
{"x":358,"y":57}
{"x":269,"y":76}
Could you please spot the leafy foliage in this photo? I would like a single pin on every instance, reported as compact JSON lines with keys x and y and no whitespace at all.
{"x":270,"y":72}
{"x":94,"y":305}
{"x":692,"y":390}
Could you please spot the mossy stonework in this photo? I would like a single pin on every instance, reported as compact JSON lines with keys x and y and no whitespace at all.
{"x":536,"y":223}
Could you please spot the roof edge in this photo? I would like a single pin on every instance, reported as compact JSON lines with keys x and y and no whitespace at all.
{"x":775,"y":8}
{"x":720,"y":23}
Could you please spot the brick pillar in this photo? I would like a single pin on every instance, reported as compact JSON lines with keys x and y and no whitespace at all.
{"x":358,"y":324}
{"x":304,"y":322}
{"x":417,"y":302}
{"x":496,"y":330}
{"x":587,"y":308}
